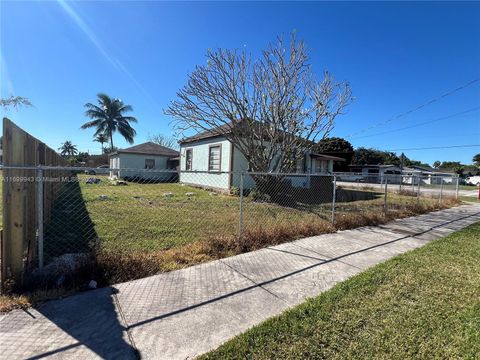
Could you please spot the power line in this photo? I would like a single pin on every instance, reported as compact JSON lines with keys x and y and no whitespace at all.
{"x":381,"y":123}
{"x":419,"y":124}
{"x":435,"y":147}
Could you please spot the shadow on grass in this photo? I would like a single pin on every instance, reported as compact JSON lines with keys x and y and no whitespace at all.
{"x":350,"y":195}
{"x":68,"y":228}
{"x":86,"y":317}
{"x":315,"y":199}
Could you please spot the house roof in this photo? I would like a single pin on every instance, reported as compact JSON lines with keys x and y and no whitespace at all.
{"x":372,"y":166}
{"x":148,"y":148}
{"x":220,"y":130}
{"x":327,"y":157}
{"x":413,"y":169}
{"x":433,"y":170}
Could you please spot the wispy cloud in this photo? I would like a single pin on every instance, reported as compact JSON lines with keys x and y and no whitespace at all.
{"x":6,"y":76}
{"x":117,"y":64}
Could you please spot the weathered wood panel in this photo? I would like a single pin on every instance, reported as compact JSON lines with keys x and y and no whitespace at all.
{"x":19,"y":247}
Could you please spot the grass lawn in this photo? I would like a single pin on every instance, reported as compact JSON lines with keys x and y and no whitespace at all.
{"x":449,"y":186}
{"x":424,"y":304}
{"x":471,"y":199}
{"x":139,"y":216}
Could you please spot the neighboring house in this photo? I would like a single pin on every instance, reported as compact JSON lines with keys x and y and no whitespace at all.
{"x":141,"y":161}
{"x":395,"y":174}
{"x":431,"y":176}
{"x":210,"y":160}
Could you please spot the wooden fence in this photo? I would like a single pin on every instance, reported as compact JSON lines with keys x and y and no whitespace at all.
{"x":20,"y":221}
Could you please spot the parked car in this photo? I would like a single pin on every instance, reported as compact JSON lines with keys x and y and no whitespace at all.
{"x":472,"y":180}
{"x":100,"y":170}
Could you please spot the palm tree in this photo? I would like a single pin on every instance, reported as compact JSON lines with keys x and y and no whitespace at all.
{"x":102,"y":139}
{"x":68,"y":149}
{"x":107,"y":117}
{"x":15,"y":102}
{"x":476,"y":160}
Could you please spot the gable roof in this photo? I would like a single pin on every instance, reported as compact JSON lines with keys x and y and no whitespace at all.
{"x":322,"y":156}
{"x":148,"y":148}
{"x":218,"y":131}
{"x":226,"y":129}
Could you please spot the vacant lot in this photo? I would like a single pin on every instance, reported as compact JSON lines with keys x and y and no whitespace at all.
{"x":151,"y":217}
{"x":423,"y":304}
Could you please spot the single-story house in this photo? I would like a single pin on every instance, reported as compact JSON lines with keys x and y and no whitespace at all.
{"x":210,"y":160}
{"x":144,"y":161}
{"x":396,"y":174}
{"x":431,"y":176}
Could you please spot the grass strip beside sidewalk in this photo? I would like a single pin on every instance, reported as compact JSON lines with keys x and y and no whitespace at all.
{"x":422,"y":304}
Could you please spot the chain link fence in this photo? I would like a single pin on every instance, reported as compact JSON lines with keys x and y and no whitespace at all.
{"x":125,"y":211}
{"x":434,"y":186}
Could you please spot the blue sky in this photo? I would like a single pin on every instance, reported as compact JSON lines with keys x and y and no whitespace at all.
{"x":396,"y":56}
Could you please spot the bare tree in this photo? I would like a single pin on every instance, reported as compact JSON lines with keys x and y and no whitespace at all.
{"x":272,"y":108}
{"x":163,"y":140}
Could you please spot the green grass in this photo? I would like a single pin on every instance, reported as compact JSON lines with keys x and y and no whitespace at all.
{"x":424,"y":304}
{"x":140,"y":217}
{"x":467,"y":187}
{"x":470,"y":199}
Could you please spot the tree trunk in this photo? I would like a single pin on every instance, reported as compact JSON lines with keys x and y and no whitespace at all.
{"x":111,"y":142}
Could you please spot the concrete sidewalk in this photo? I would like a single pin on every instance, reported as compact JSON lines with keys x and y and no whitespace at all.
{"x":187,"y":312}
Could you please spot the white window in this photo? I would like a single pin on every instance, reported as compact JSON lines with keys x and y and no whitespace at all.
{"x":149,"y":163}
{"x":214,"y":157}
{"x":188,"y":159}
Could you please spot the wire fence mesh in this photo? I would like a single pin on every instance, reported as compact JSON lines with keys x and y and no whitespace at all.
{"x":123,"y":211}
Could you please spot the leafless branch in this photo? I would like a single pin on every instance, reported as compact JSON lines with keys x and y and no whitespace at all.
{"x":272,"y":108}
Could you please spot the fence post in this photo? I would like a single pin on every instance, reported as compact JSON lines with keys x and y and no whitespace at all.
{"x":240,"y":219}
{"x":418,"y":188}
{"x":334,"y":198}
{"x":385,"y":197}
{"x":441,"y":189}
{"x":457,"y":185}
{"x":39,"y":202}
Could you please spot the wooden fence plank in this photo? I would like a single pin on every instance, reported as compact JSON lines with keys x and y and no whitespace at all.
{"x":19,"y":246}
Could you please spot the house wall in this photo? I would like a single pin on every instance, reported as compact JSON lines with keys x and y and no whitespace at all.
{"x":135,"y":163}
{"x":200,"y":151}
{"x":231,"y":156}
{"x":240,"y":164}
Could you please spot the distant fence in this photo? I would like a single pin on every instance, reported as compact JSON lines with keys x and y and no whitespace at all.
{"x":21,"y":208}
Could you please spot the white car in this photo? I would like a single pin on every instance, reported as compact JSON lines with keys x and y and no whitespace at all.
{"x":473,"y":180}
